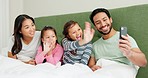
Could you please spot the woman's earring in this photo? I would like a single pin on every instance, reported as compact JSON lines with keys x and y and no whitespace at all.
{"x":20,"y":32}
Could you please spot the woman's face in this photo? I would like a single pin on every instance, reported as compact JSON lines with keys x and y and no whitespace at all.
{"x":28,"y":28}
{"x":50,"y":37}
{"x":75,"y":32}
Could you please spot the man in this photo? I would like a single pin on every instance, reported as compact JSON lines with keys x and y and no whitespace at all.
{"x":112,"y":49}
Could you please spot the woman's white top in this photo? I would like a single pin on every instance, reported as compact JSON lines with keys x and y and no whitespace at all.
{"x":29,"y":51}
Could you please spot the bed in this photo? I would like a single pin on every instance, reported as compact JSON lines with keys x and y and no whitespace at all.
{"x":12,"y":68}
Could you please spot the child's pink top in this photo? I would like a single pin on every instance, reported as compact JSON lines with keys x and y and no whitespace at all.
{"x":53,"y":58}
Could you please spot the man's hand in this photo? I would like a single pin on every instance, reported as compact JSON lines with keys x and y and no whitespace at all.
{"x":125,"y":46}
{"x":95,"y":67}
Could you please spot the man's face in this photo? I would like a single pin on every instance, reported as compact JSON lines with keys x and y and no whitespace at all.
{"x":102,"y":23}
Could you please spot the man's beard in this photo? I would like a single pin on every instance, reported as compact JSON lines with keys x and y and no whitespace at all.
{"x":107,"y":32}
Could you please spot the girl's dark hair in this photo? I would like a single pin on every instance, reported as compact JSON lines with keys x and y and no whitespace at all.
{"x":68,"y":25}
{"x":42,"y":34}
{"x":98,"y":10}
{"x":16,"y":48}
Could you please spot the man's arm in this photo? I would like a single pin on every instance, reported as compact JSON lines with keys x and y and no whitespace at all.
{"x":92,"y":64}
{"x":135,"y":55}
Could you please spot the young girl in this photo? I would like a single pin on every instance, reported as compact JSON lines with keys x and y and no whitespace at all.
{"x":25,"y":40}
{"x":76,"y":48}
{"x":49,"y":51}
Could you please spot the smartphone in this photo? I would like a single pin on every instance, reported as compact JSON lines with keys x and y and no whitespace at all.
{"x":123,"y":31}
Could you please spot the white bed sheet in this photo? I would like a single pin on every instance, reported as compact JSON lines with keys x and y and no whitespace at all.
{"x":11,"y":68}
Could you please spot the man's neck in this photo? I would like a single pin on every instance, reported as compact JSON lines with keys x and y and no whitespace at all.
{"x":112,"y":32}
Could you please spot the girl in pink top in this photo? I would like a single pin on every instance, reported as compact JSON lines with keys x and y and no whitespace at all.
{"x":49,"y":51}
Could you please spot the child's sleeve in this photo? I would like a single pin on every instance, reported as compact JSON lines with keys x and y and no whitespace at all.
{"x":69,"y":45}
{"x":39,"y":58}
{"x":86,"y":54}
{"x":56,"y":55}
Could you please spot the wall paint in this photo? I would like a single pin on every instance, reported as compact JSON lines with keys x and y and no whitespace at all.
{"x":38,"y":8}
{"x":4,"y":23}
{"x":16,"y":8}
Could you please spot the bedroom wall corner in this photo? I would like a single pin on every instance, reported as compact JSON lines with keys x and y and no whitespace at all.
{"x":4,"y":23}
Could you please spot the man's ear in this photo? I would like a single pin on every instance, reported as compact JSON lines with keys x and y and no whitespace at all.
{"x":111,"y":20}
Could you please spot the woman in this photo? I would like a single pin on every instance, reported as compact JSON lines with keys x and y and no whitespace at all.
{"x":25,"y":40}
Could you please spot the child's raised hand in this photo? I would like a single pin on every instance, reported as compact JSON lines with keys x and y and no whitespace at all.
{"x":46,"y":47}
{"x":88,"y":32}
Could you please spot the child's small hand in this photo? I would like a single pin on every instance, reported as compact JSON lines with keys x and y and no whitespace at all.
{"x":52,"y":46}
{"x":88,"y":32}
{"x":48,"y":47}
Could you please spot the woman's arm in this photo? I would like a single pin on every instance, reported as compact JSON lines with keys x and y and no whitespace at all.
{"x":32,"y":62}
{"x":11,"y":55}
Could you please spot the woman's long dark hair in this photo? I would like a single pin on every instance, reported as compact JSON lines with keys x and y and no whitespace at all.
{"x":42,"y":34}
{"x":16,"y":48}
